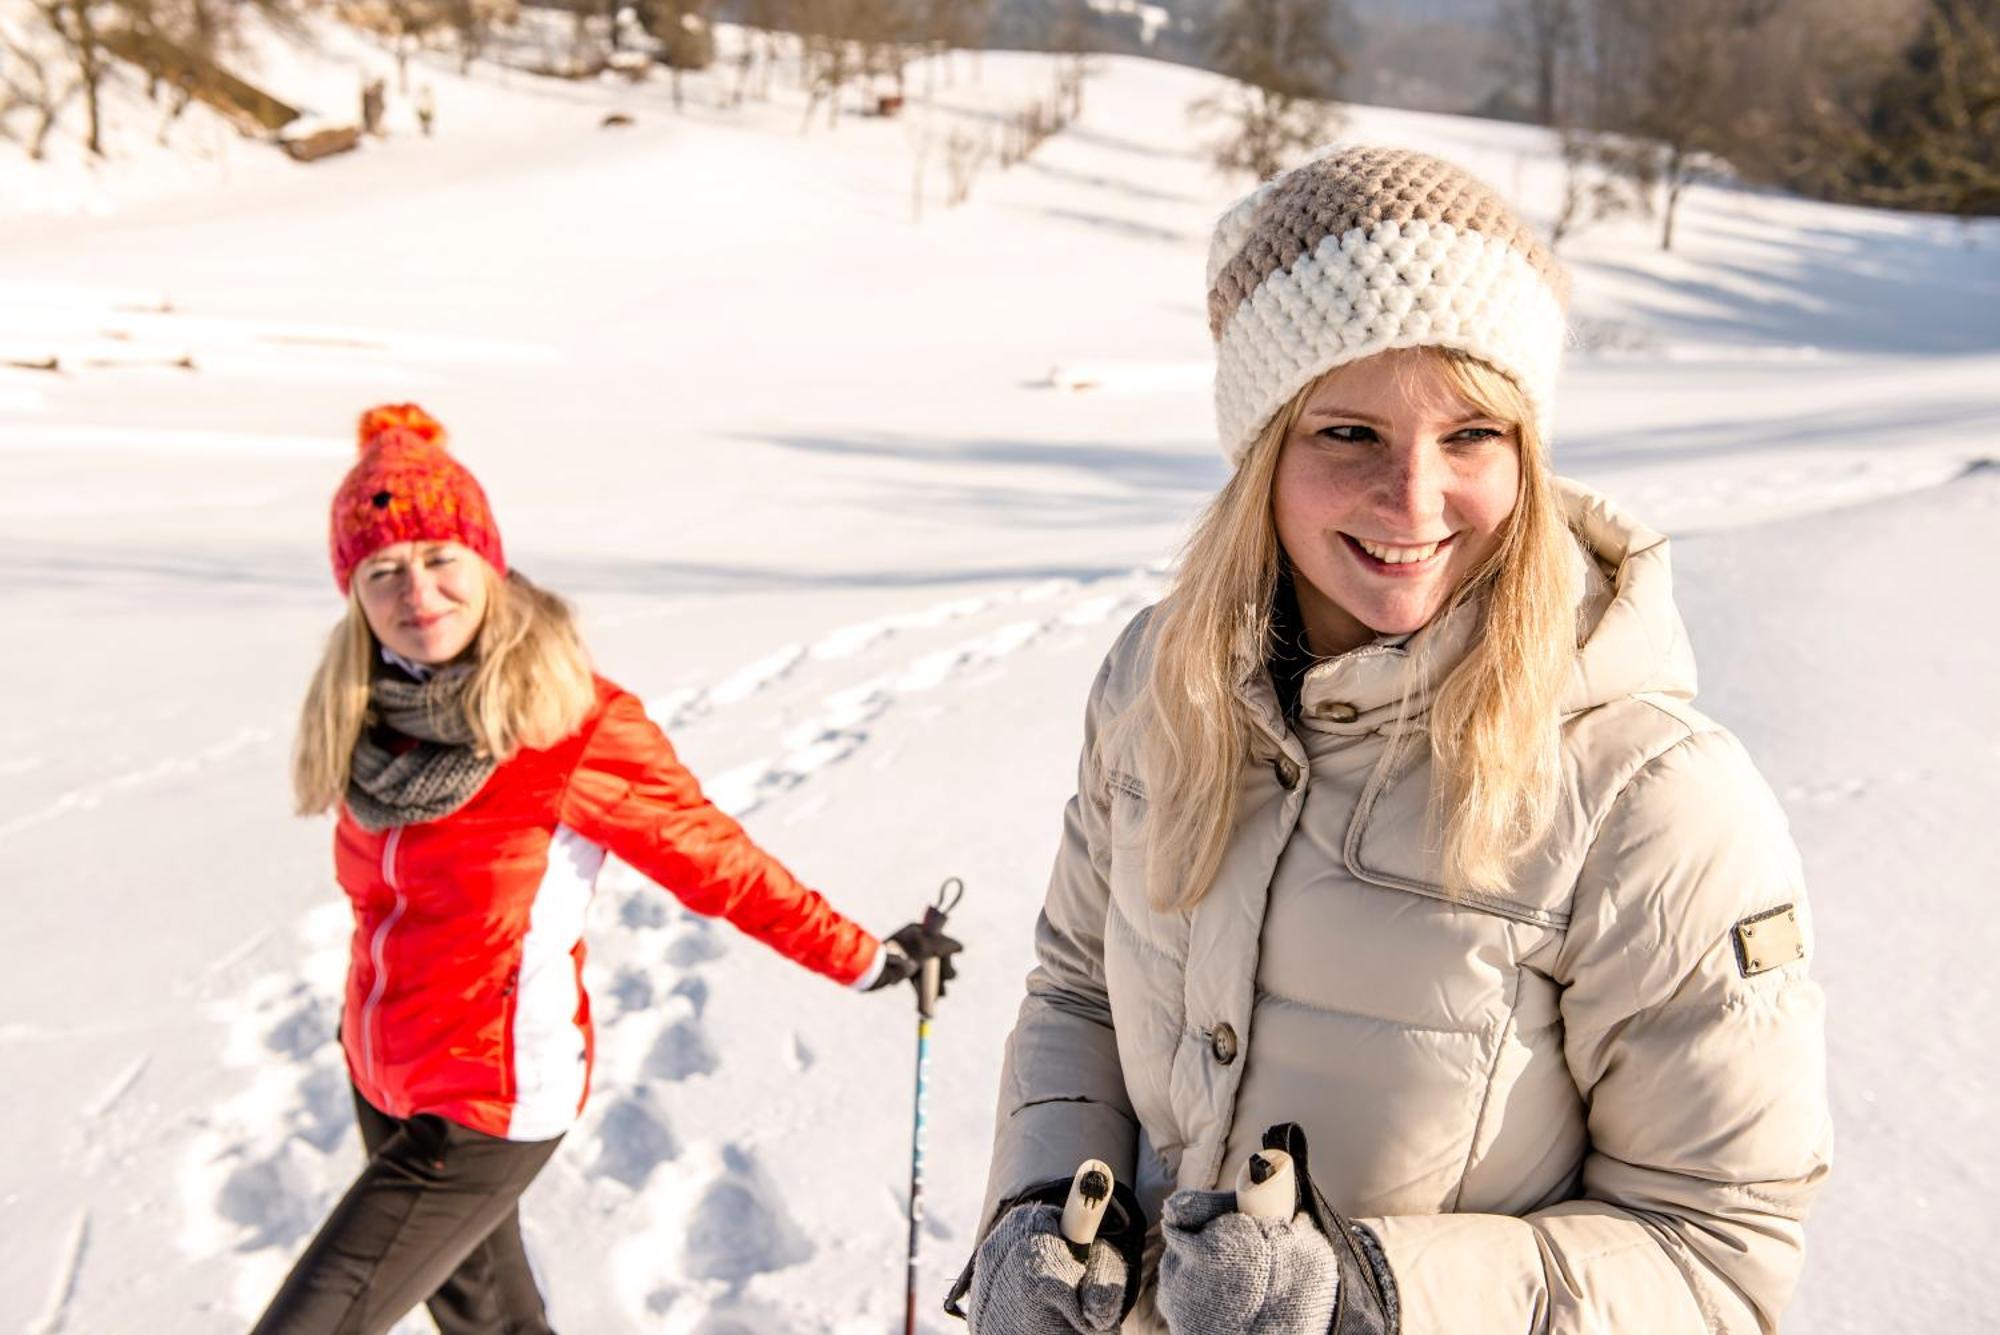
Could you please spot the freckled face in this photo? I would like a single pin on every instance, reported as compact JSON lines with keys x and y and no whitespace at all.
{"x":424,"y":600}
{"x":1390,"y":489}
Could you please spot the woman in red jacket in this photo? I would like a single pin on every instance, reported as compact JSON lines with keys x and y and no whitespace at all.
{"x":482,"y":774}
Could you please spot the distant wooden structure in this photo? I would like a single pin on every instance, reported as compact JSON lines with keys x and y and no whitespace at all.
{"x":249,"y":108}
{"x":323,"y":142}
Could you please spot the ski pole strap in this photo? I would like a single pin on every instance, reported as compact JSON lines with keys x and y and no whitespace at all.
{"x":930,"y":980}
{"x":1124,"y":1228}
{"x":1366,"y":1301}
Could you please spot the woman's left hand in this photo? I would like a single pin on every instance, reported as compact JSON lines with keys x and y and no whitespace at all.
{"x":1228,"y":1273}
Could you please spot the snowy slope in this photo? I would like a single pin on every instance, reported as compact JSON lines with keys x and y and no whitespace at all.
{"x":857,"y":503}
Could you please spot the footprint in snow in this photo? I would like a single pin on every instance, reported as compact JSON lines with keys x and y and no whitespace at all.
{"x":698,"y":946}
{"x":272,"y":1197}
{"x":304,"y":1030}
{"x":633,"y":1139}
{"x":742,"y":1321}
{"x":631,"y":990}
{"x":681,"y":1052}
{"x":327,"y":1120}
{"x":646,"y":909}
{"x":694,"y":989}
{"x":739,"y":1227}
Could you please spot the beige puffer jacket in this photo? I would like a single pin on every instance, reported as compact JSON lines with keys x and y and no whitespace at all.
{"x":1594,"y":1103}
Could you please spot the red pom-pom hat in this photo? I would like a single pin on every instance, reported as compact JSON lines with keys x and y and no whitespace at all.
{"x":407,"y":488}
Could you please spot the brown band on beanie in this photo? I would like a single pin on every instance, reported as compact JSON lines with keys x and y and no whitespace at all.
{"x":1363,"y":188}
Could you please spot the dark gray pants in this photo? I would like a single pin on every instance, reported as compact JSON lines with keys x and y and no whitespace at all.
{"x":431,"y":1219}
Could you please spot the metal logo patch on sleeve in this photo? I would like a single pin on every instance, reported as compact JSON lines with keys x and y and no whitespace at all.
{"x":1769,"y":941}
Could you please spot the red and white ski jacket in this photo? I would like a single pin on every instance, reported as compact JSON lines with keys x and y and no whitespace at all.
{"x":465,"y":981}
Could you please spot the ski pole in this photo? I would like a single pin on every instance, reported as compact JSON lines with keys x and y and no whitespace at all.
{"x":929,"y":982}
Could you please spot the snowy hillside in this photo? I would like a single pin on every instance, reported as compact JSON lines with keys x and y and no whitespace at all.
{"x":857,"y":502}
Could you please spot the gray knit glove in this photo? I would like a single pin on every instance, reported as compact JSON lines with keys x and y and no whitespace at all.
{"x":1026,"y":1281}
{"x":1225,"y":1273}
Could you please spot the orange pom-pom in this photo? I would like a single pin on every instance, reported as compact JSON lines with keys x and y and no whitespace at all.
{"x":402,"y":417}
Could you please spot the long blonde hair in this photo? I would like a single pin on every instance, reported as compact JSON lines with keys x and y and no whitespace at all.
{"x":531,"y":686}
{"x":1493,"y":726}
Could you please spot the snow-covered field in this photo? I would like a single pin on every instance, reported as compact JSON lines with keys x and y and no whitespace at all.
{"x":857,"y":502}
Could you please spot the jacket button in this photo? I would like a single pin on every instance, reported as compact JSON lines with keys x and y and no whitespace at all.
{"x":1222,"y":1043}
{"x":1287,"y":772}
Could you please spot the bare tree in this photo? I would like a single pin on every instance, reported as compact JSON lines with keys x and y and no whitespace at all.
{"x":75,"y":24}
{"x":1286,"y":63}
{"x":826,"y":29}
{"x":1543,"y":35}
{"x":768,"y":20}
{"x":1604,"y":176}
{"x":1667,"y":75}
{"x":889,"y":32}
{"x":473,"y":22}
{"x":33,"y":82}
{"x":846,"y":40}
{"x":954,"y":25}
{"x":685,"y":35}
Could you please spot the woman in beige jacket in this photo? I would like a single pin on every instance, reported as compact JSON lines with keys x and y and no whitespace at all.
{"x":1396,"y":833}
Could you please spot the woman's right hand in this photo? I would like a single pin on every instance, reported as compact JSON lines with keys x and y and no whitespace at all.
{"x":1028,"y":1281}
{"x":906,"y":949}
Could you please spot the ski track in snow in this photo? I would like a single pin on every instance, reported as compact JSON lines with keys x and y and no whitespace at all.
{"x":1752,"y":488}
{"x":842,"y":724}
{"x":695,"y":1220}
{"x":62,"y":1287}
{"x":118,"y":1088}
{"x":92,"y":331}
{"x":93,"y":795}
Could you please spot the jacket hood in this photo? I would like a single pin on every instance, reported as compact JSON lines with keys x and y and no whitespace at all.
{"x":1634,"y":640}
{"x":1632,"y":637}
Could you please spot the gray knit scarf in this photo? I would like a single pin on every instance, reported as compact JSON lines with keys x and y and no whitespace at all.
{"x":416,"y":760}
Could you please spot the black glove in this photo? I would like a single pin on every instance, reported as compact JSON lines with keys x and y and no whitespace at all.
{"x":1366,"y":1300}
{"x":904,"y":953}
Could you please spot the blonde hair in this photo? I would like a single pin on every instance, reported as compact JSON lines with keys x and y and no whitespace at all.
{"x":1493,"y":726}
{"x":531,"y":686}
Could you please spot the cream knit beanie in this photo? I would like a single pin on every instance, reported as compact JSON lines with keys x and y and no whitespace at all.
{"x":1366,"y":249}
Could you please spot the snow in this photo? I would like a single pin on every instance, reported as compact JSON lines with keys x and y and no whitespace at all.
{"x":856,"y":502}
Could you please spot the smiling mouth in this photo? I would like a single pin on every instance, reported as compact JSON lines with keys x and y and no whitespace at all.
{"x":424,"y":623}
{"x":1399,"y":560}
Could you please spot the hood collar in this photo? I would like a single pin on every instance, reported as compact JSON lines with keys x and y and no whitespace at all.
{"x":1632,"y":639}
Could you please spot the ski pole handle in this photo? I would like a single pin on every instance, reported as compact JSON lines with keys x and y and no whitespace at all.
{"x":930,"y":974}
{"x":929,"y":979}
{"x":1267,"y":1187}
{"x":1083,"y":1210}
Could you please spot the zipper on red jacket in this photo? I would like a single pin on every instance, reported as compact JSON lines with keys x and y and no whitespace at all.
{"x":376,"y":947}
{"x":509,"y":993}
